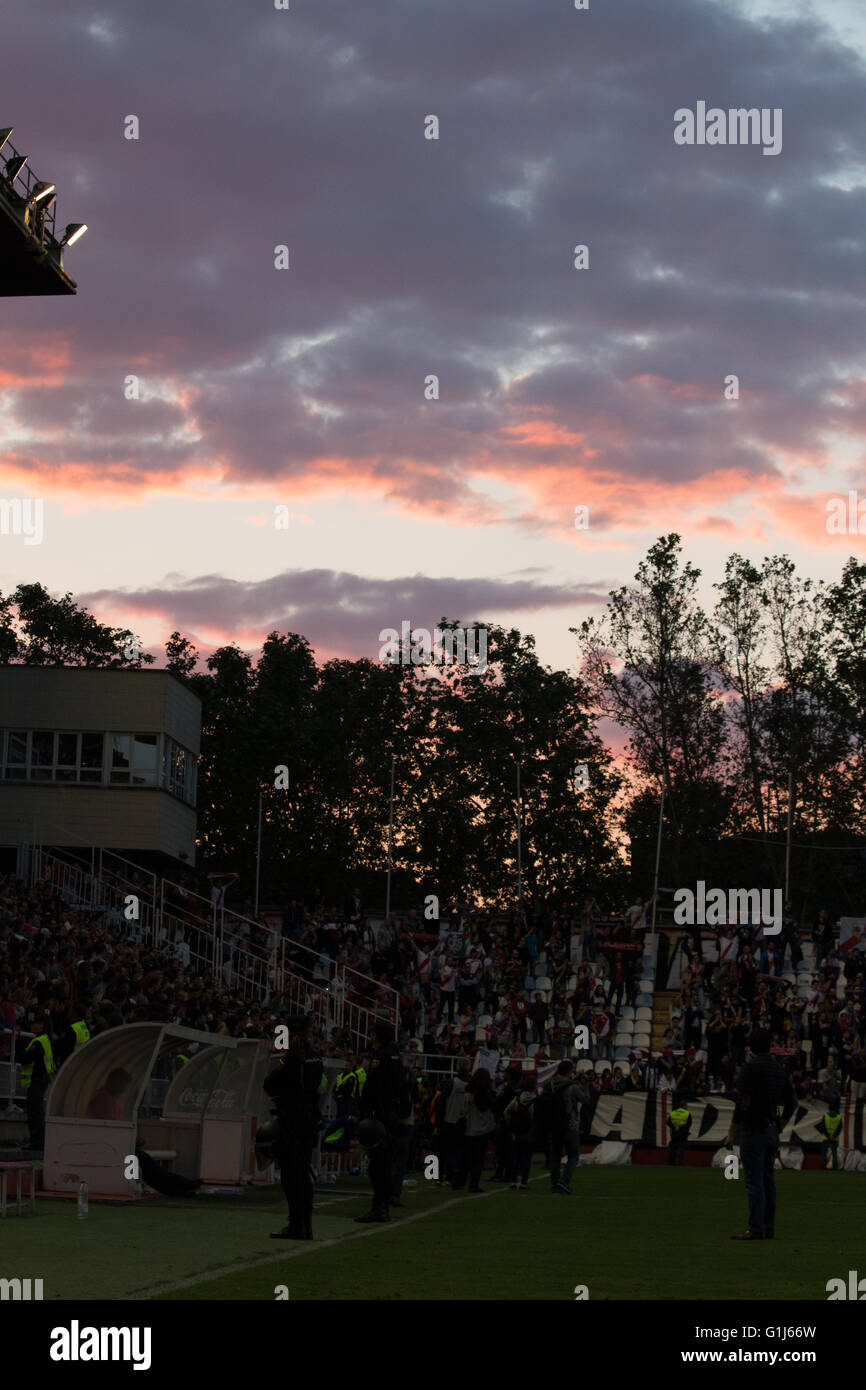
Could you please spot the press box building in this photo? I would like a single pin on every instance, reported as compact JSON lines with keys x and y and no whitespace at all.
{"x":98,"y":759}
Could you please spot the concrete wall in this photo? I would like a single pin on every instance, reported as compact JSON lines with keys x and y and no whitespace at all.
{"x":106,"y":817}
{"x":75,"y":699}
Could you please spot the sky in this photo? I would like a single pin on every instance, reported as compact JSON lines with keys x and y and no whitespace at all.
{"x":306,"y":388}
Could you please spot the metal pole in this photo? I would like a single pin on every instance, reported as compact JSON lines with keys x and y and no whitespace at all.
{"x":790,"y":823}
{"x":390,"y":842}
{"x":519,"y":836}
{"x":658,"y":854}
{"x":258,"y":857}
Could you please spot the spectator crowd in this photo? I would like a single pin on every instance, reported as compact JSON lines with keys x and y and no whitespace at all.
{"x":477,"y":985}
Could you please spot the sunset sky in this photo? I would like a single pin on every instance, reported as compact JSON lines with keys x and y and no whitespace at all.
{"x":410,"y":257}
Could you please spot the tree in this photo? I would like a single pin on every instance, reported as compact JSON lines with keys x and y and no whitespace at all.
{"x":46,"y":631}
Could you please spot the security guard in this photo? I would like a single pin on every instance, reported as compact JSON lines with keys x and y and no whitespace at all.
{"x":294,"y":1086}
{"x":347,"y":1089}
{"x":36,"y":1073}
{"x":73,"y":1036}
{"x":829,"y":1130}
{"x":379,"y":1101}
{"x":679,"y":1124}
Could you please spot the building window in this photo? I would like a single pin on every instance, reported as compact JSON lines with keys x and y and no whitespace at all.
{"x":178,"y":771}
{"x":68,"y":755}
{"x":120,"y":764}
{"x":41,"y":757}
{"x":144,"y":760}
{"x":15,"y":765}
{"x":125,"y":760}
{"x":90,"y":767}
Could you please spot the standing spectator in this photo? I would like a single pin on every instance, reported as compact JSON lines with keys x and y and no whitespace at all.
{"x":480,"y":1124}
{"x":858,"y":1075}
{"x":521,"y":1121}
{"x":538,"y":1015}
{"x":568,"y":1096}
{"x":454,"y":1126}
{"x":519,"y":1014}
{"x":504,"y":1140}
{"x":448,"y":988}
{"x":764,"y":1087}
{"x":601,"y":1028}
{"x":617,"y":981}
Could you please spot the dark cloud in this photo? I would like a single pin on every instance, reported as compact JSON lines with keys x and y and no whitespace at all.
{"x":334,"y":610}
{"x":412,"y":257}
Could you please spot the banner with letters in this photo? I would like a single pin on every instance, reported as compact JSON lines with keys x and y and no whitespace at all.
{"x":640,"y":1117}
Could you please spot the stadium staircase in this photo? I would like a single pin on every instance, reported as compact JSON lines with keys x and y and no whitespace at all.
{"x":216,"y":942}
{"x":662,"y":1016}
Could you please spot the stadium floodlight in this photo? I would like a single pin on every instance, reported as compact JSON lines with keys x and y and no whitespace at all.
{"x":14,"y":167}
{"x":42,"y":191}
{"x":5,"y":132}
{"x":74,"y":232}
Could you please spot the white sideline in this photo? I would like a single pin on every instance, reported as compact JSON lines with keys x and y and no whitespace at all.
{"x":310,"y":1248}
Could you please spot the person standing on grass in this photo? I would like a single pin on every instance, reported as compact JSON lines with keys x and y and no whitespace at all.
{"x":679,"y":1124}
{"x":520,"y":1119}
{"x":763,"y":1088}
{"x":480,"y":1125}
{"x":454,"y":1125}
{"x":568,"y":1096}
{"x":831,"y":1124}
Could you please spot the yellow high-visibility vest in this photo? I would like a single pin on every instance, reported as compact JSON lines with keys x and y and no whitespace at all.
{"x":679,"y":1118}
{"x":47,"y":1052}
{"x":832,"y":1125}
{"x":82,"y":1034}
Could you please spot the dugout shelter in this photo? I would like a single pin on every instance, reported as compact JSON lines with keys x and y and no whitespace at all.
{"x":92,"y":1120}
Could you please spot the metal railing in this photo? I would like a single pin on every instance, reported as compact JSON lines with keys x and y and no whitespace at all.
{"x":216,"y":942}
{"x":20,"y":188}
{"x":10,"y":1079}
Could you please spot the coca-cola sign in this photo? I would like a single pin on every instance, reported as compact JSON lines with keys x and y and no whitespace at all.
{"x":220,"y":1100}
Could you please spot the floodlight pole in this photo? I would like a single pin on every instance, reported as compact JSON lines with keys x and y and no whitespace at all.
{"x":258,"y":856}
{"x":519,"y":839}
{"x":390,"y":843}
{"x":790,"y":824}
{"x":658,"y":853}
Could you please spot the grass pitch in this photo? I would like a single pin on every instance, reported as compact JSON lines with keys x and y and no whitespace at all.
{"x":626,"y":1233}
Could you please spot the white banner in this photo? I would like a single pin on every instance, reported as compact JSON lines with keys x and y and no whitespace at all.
{"x":852,"y":933}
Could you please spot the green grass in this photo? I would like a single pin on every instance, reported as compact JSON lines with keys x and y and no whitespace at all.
{"x":627,"y":1233}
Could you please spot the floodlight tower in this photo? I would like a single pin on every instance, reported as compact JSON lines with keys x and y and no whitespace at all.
{"x":31,"y":254}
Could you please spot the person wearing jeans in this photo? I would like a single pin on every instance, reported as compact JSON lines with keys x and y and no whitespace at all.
{"x":480,"y":1124}
{"x":567,"y":1097}
{"x":520,"y":1118}
{"x":763,"y":1086}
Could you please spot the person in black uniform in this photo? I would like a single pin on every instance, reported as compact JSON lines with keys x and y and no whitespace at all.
{"x":379,"y":1101}
{"x":762,"y":1088}
{"x":294,"y":1086}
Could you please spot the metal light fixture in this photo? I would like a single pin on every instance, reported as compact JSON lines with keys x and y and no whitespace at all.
{"x":42,"y":191}
{"x":14,"y":167}
{"x":74,"y":232}
{"x":5,"y":132}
